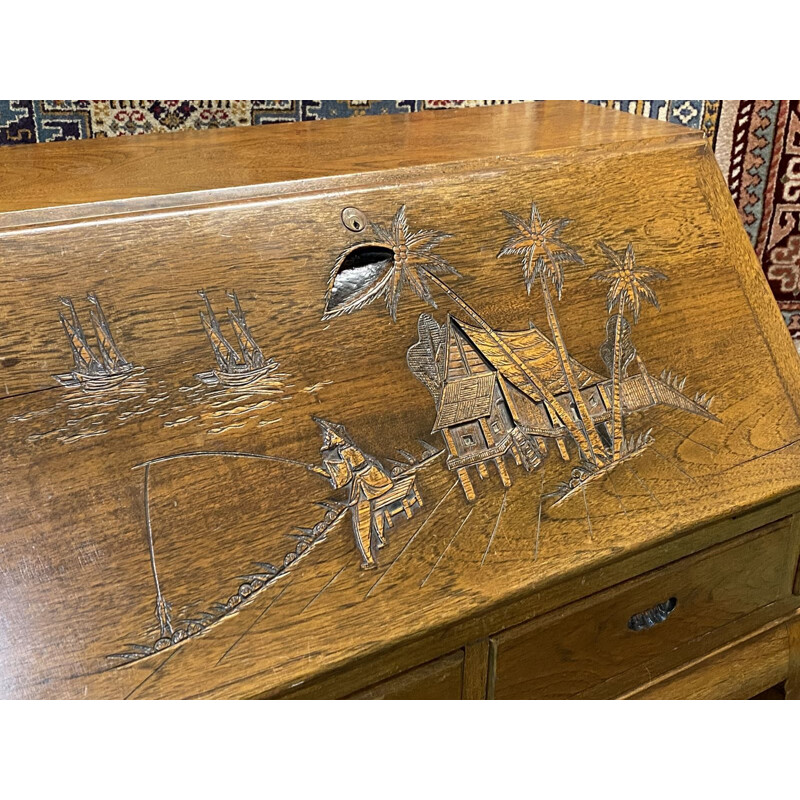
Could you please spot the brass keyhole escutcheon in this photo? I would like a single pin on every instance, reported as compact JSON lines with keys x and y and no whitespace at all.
{"x":354,"y":219}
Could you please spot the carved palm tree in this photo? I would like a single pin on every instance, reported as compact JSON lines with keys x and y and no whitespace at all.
{"x":629,"y":285}
{"x":408,"y":259}
{"x":544,"y":255}
{"x":411,"y":262}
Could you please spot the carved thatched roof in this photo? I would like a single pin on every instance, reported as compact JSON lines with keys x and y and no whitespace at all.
{"x":472,"y":346}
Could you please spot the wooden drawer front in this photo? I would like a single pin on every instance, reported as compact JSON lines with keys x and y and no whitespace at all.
{"x":738,"y":672}
{"x":589,"y":642}
{"x":437,"y":680}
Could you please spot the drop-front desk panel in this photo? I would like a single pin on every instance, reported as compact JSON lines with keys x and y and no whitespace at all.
{"x":487,"y":403}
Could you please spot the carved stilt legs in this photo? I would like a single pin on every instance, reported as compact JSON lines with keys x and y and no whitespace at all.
{"x":466,"y":483}
{"x":501,"y":468}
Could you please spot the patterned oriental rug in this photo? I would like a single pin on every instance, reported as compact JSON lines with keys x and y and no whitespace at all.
{"x":757,"y":144}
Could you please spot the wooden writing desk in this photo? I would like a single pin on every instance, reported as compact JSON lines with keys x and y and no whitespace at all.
{"x":245,"y":455}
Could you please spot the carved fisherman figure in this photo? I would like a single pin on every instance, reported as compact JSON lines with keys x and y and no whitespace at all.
{"x":374,"y":497}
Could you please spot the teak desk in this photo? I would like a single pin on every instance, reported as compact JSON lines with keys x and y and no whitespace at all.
{"x":485,"y":403}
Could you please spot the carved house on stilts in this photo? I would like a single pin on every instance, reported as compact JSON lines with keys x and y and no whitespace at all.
{"x":488,"y":410}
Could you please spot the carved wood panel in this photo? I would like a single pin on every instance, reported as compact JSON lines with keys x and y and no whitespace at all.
{"x":258,"y":480}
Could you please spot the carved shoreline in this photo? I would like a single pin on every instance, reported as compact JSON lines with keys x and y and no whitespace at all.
{"x":252,"y":587}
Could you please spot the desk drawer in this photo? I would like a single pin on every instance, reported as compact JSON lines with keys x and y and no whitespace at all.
{"x":438,"y":680}
{"x":584,"y":644}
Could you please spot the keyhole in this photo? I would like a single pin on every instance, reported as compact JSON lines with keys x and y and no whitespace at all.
{"x":354,"y":219}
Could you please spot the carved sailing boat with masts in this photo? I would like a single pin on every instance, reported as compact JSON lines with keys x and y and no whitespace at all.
{"x":98,"y":368}
{"x":237,"y":369}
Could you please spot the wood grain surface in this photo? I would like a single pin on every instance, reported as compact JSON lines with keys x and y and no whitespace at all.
{"x":80,"y":508}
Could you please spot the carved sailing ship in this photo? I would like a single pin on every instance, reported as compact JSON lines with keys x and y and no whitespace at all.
{"x":236,"y":369}
{"x":98,"y":368}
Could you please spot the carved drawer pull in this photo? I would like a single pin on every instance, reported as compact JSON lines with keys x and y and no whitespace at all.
{"x":654,"y":615}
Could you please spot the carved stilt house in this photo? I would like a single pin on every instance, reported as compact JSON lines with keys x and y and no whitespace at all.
{"x":488,"y":409}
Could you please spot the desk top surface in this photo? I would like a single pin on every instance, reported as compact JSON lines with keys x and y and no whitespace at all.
{"x":78,"y":172}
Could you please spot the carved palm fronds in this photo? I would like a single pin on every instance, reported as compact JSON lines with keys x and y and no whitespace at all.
{"x":408,"y":259}
{"x":676,"y":382}
{"x":635,"y":443}
{"x":539,"y":243}
{"x":673,"y":380}
{"x":396,"y":257}
{"x":630,"y":282}
{"x":426,"y":358}
{"x":703,"y":400}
